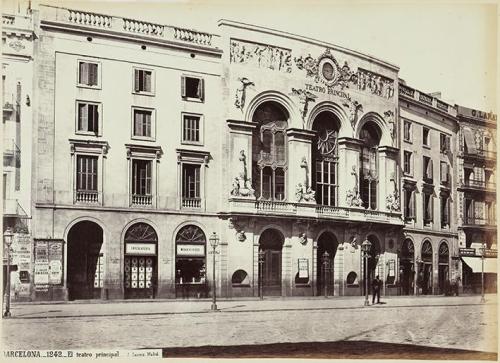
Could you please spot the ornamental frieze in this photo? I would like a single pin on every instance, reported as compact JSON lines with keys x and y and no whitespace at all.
{"x":260,"y":55}
{"x":326,"y":69}
{"x":375,"y":83}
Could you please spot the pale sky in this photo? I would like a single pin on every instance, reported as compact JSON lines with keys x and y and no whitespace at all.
{"x":447,"y":47}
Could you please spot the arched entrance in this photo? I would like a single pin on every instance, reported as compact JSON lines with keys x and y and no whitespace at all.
{"x":270,"y":245}
{"x":407,"y":268}
{"x":140,"y":263}
{"x":190,"y":263}
{"x":425,"y":274}
{"x":443,"y":268}
{"x":328,"y":243}
{"x":85,"y":277}
{"x":370,"y":271}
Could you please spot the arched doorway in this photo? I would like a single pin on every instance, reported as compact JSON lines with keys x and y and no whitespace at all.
{"x":325,"y":156}
{"x":443,"y":268}
{"x":370,"y":135}
{"x":269,"y":151}
{"x":190,"y":263}
{"x":270,"y":245}
{"x":425,"y":274}
{"x":407,"y":268}
{"x":85,"y":277}
{"x":327,"y":242}
{"x":140,"y":262}
{"x":370,"y":270}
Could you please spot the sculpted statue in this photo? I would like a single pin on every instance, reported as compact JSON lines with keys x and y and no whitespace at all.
{"x":242,"y":185}
{"x":353,"y":198}
{"x":241,"y":92}
{"x":303,"y":191}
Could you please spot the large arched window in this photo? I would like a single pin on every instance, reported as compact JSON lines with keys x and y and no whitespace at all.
{"x":368,"y":173}
{"x":325,"y":166}
{"x":269,"y":161}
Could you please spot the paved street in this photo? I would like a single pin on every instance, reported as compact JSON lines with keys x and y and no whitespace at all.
{"x":440,"y":322}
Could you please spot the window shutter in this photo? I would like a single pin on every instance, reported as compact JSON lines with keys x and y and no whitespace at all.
{"x":136,"y":80}
{"x":183,"y":86}
{"x":147,"y":81}
{"x":84,"y":123}
{"x":448,"y":179}
{"x":95,"y":119}
{"x":448,"y":144}
{"x":447,"y":210}
{"x":431,"y":207}
{"x":412,"y":205}
{"x":442,"y":170}
{"x":84,"y":73}
{"x":148,"y":177}
{"x":201,"y":89}
{"x":147,"y":131}
{"x":137,"y":123}
{"x":429,"y":169}
{"x":197,"y":182}
{"x":92,"y":74}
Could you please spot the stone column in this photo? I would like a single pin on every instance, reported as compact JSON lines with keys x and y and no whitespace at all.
{"x":338,"y":270}
{"x":387,"y":170}
{"x":299,"y":147}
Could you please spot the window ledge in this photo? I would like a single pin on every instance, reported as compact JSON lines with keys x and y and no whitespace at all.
{"x":143,"y":93}
{"x":408,"y":141}
{"x":426,"y":146}
{"x":88,"y":133}
{"x":80,"y":85}
{"x":143,"y":138}
{"x":193,"y":99}
{"x":194,"y":143}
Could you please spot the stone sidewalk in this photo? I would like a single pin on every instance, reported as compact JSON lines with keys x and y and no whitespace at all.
{"x":165,"y":307}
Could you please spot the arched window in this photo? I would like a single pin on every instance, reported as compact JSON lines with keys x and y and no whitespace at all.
{"x":269,"y":160}
{"x":325,"y":167}
{"x":368,"y":173}
{"x":443,"y":252}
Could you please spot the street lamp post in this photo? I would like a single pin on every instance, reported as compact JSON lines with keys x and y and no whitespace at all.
{"x":214,"y":242}
{"x":7,"y":237}
{"x":261,"y":270}
{"x":325,"y":272}
{"x":483,"y":251}
{"x":365,"y":248}
{"x":418,"y":261}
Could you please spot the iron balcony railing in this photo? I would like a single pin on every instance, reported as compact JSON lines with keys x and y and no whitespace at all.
{"x":479,"y":184}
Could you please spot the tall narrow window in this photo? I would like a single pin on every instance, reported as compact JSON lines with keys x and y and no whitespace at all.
{"x":269,"y":152}
{"x":88,"y":74}
{"x":143,"y":80}
{"x":407,"y":162}
{"x":409,"y":200}
{"x":86,"y":178}
{"x":427,"y":169}
{"x":444,"y":143}
{"x":407,"y":131}
{"x":88,"y":117}
{"x":326,"y":158}
{"x":426,"y":136}
{"x":445,"y":210}
{"x":370,"y":137}
{"x":469,"y":211}
{"x":141,"y":182}
{"x":428,"y":208}
{"x":142,"y":123}
{"x":445,"y":172}
{"x":191,"y":186}
{"x":191,"y":129}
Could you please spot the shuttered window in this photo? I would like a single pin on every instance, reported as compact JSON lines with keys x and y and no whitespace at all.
{"x":88,"y":73}
{"x":192,"y":88}
{"x":141,"y":177}
{"x":142,"y":123}
{"x":191,"y":128}
{"x":88,"y":117}
{"x":143,"y":80}
{"x":190,"y":181}
{"x":86,"y":173}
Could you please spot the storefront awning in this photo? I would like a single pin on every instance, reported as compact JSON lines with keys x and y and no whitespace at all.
{"x":490,"y":264}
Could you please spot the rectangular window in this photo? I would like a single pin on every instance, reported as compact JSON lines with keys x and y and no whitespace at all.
{"x":88,"y":74}
{"x":428,"y":208}
{"x":427,"y":169}
{"x":142,"y":123}
{"x":191,"y":128}
{"x":426,"y":136}
{"x":88,"y":117}
{"x":191,"y":197}
{"x":445,"y":211}
{"x":192,"y":88}
{"x":409,"y":201}
{"x":407,"y":162}
{"x":445,"y":172}
{"x":86,"y":173}
{"x":326,"y":182}
{"x":444,"y":143}
{"x":141,"y":177}
{"x":143,"y":81}
{"x":469,"y":211}
{"x":407,"y":131}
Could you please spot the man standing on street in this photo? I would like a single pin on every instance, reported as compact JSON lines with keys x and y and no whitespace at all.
{"x":376,"y":289}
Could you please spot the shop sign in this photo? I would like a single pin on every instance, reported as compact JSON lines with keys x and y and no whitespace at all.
{"x":392,"y":268}
{"x":491,"y":253}
{"x":303,"y":268}
{"x":140,"y":249}
{"x":191,"y":250}
{"x":467,"y":252}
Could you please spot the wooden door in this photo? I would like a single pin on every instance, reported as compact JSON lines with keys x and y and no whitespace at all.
{"x":271,"y":273}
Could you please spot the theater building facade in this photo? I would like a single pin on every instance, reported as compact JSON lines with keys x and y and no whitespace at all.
{"x":149,"y":140}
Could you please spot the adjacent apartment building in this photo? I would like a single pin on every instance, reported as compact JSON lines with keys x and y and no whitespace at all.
{"x":152,"y":143}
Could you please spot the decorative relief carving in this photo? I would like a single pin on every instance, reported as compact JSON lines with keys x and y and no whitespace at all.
{"x":17,"y":45}
{"x":303,"y":238}
{"x":242,"y":185}
{"x":241,"y":92}
{"x":375,"y":83}
{"x":325,"y":69}
{"x":240,"y":233}
{"x":391,"y":123}
{"x":353,"y":108}
{"x":260,"y":55}
{"x":353,"y":198}
{"x":305,"y":98}
{"x":303,"y":191}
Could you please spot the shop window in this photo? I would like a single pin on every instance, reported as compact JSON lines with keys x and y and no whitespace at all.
{"x":88,"y":74}
{"x":240,"y":277}
{"x":192,"y":88}
{"x":143,"y":81}
{"x":352,"y":279}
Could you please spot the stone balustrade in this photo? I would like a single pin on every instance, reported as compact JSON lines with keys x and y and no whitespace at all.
{"x":426,"y":99}
{"x":191,"y":203}
{"x":126,"y":26}
{"x":87,"y":196}
{"x":142,"y":200}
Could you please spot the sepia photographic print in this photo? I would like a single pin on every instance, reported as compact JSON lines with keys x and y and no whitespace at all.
{"x":312,"y":180}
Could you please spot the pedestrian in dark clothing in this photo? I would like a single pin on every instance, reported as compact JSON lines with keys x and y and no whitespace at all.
{"x":376,"y":289}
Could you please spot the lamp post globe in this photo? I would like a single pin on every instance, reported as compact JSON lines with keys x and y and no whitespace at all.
{"x":365,"y":248}
{"x":7,"y":238}
{"x":214,"y":242}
